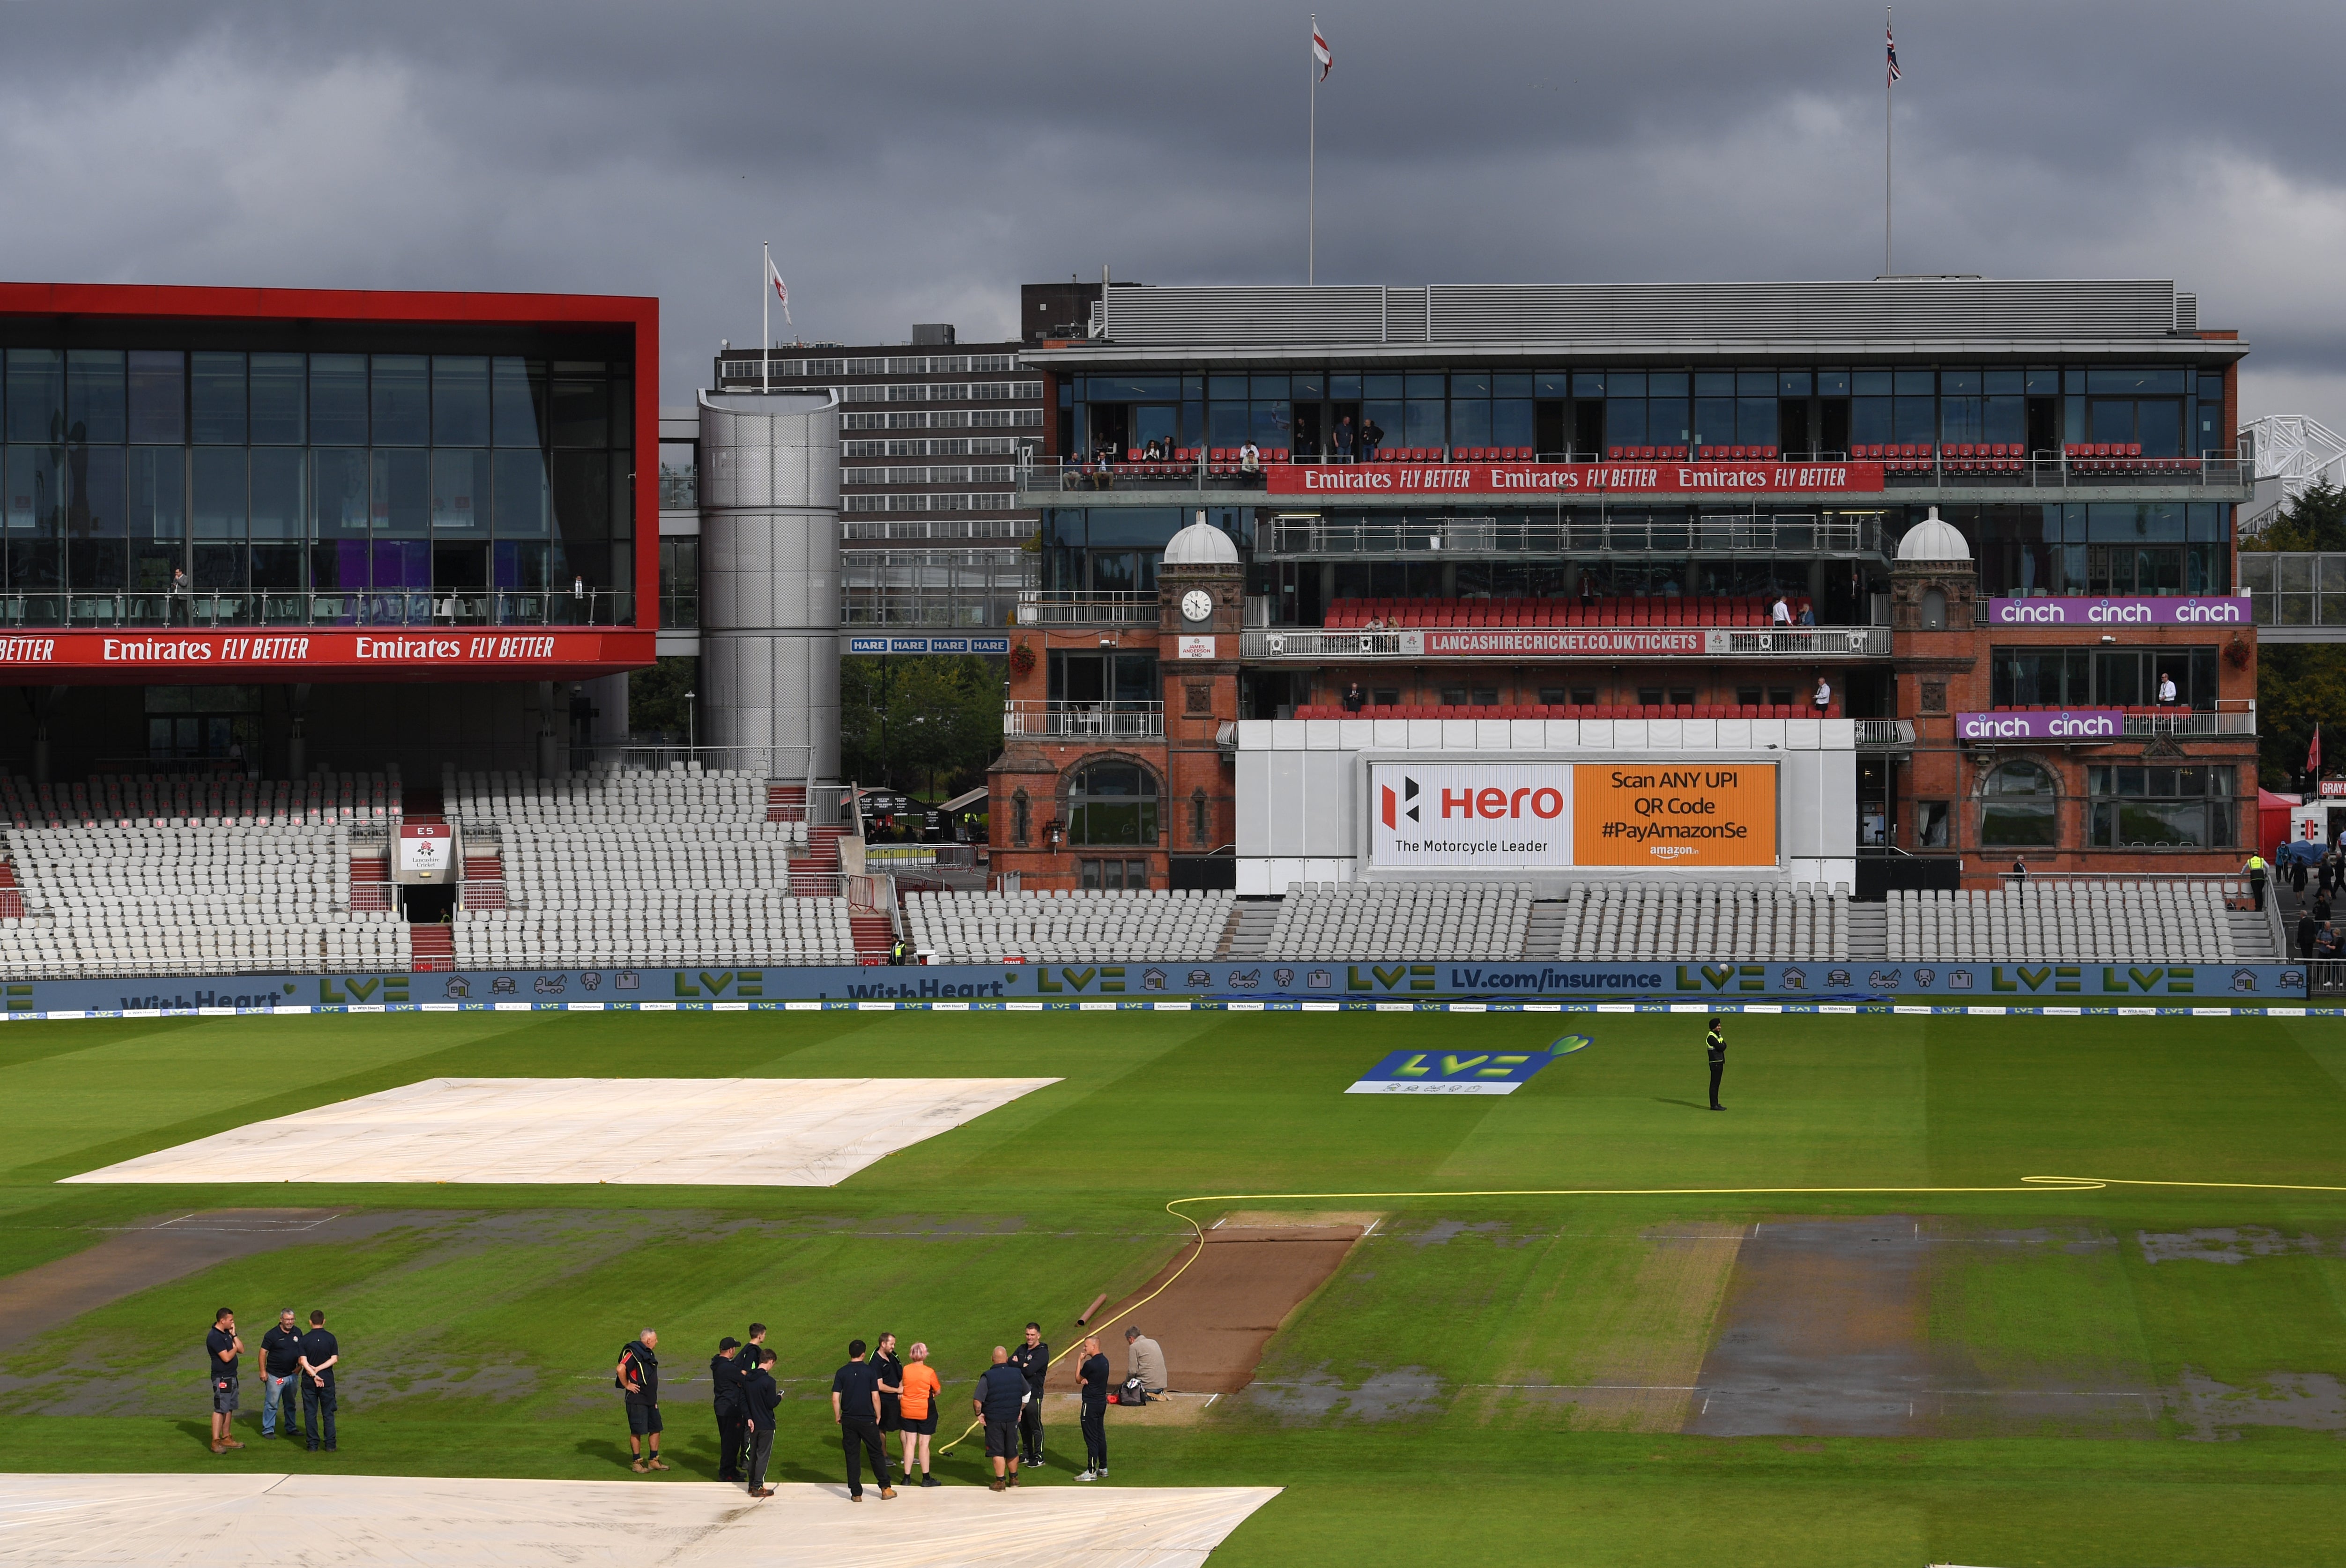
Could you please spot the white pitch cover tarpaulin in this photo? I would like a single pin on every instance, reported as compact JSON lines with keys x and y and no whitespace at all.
{"x":777,"y":1132}
{"x":420,"y":1522}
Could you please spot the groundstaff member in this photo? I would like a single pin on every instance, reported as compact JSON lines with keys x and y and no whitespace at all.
{"x":1032,"y":1361}
{"x":320,"y":1352}
{"x":1714,"y":1046}
{"x":918,"y":1405}
{"x":1144,"y":1362}
{"x":1091,"y":1383}
{"x":281,"y":1355}
{"x":725,"y":1394}
{"x":1001,"y":1395}
{"x":759,"y":1398}
{"x":638,"y":1375}
{"x":221,"y":1349}
{"x":888,"y":1373}
{"x":855,"y":1406}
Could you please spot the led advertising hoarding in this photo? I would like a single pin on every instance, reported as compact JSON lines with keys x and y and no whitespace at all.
{"x":1483,"y":816}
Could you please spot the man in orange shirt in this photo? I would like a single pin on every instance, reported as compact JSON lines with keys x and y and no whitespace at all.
{"x":917,"y":1407}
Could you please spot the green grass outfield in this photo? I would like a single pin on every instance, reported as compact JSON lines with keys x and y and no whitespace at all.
{"x":482,"y":1328}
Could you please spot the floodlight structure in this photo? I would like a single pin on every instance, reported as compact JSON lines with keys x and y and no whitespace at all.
{"x":2298,"y":450}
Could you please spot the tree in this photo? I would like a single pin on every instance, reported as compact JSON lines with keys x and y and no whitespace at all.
{"x":919,"y":723}
{"x":2314,"y":520}
{"x":655,"y":704}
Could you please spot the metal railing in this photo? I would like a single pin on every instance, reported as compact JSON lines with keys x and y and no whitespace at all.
{"x":1524,"y":533}
{"x":1084,"y":720}
{"x":1564,"y":642}
{"x":1884,"y":734}
{"x":2235,"y":716}
{"x":2326,"y":977}
{"x":1087,"y":610}
{"x":1048,"y":478}
{"x":385,"y":607}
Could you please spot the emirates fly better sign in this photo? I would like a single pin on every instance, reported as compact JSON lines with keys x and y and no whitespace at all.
{"x":1471,"y":816}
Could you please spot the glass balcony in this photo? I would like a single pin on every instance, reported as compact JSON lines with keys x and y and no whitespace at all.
{"x":377,"y":607}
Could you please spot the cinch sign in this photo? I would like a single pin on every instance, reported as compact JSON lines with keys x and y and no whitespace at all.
{"x":1456,"y":816}
{"x":2230,"y":610}
{"x":1529,"y":480}
{"x":2065,"y":724}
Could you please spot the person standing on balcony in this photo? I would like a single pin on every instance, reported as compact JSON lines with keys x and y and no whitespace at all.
{"x":1822,"y":698}
{"x":1354,"y":698}
{"x":1373,"y":436}
{"x":2166,"y":689}
{"x":1343,"y":439}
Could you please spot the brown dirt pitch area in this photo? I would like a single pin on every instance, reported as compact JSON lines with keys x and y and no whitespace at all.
{"x":1254,"y":1269}
{"x":131,"y":1260}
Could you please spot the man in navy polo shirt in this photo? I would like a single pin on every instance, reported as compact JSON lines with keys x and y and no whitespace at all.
{"x":1001,"y":1395}
{"x":320,"y":1352}
{"x":855,"y":1406}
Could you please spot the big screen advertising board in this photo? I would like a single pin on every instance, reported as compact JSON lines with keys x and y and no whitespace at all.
{"x":1466,"y":816}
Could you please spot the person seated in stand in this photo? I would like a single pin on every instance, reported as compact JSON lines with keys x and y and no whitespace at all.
{"x":1807,"y":615}
{"x":1249,"y":458}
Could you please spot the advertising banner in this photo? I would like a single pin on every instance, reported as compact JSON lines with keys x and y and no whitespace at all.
{"x":1195,"y":646}
{"x":1563,"y":640}
{"x":1642,"y":814}
{"x":1529,"y":480}
{"x":2025,"y":985}
{"x":954,"y":645}
{"x":2229,"y":610}
{"x":1451,"y":1073}
{"x":454,"y":653}
{"x":2071,"y":724}
{"x":1469,"y":815}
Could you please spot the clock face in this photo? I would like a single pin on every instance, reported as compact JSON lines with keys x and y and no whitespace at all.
{"x":1197,"y":604}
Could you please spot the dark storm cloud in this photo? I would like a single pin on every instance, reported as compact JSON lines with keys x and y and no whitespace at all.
{"x":917,"y":163}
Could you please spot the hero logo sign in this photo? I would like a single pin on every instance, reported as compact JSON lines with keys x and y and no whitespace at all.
{"x":1459,"y":816}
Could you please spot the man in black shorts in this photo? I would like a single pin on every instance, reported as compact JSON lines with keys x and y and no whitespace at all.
{"x":1032,"y":1361}
{"x":1001,"y":1395}
{"x":221,"y":1348}
{"x":855,"y":1406}
{"x":725,"y":1393}
{"x":638,"y":1375}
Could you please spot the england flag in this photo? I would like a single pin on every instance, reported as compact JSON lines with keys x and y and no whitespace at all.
{"x":1319,"y":53}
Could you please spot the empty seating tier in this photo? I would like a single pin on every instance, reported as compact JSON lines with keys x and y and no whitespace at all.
{"x":1707,"y":922}
{"x":214,"y":798}
{"x":2117,"y":921}
{"x":1571,"y":711}
{"x":1389,"y":921}
{"x":190,"y":900}
{"x":1070,"y":927}
{"x":619,"y":867}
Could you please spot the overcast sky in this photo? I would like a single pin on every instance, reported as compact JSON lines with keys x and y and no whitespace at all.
{"x":918,"y":162}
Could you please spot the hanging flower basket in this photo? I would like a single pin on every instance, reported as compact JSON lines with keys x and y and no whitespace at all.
{"x":1022,"y":659}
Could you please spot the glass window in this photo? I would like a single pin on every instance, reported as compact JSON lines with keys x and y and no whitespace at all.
{"x":1215,"y":387}
{"x":1914,"y":419}
{"x":1510,"y":386}
{"x":216,"y":398}
{"x":402,"y":501}
{"x":581,"y":499}
{"x":35,"y":397}
{"x":1755,"y":384}
{"x":96,"y":509}
{"x":1584,"y":383}
{"x":1756,"y":420}
{"x":157,"y":396}
{"x":1628,"y":384}
{"x":1958,"y":383}
{"x":2147,"y":381}
{"x":2004,"y":419}
{"x":582,"y":417}
{"x":623,"y":413}
{"x":2020,"y":807}
{"x":460,"y":491}
{"x":523,"y":508}
{"x":277,"y":400}
{"x":1226,"y":423}
{"x":219,"y":492}
{"x":1870,"y":383}
{"x":401,"y":398}
{"x":337,"y":399}
{"x":1470,"y":422}
{"x":1112,"y":803}
{"x":2043,"y":381}
{"x":1793,"y":383}
{"x":1714,"y":383}
{"x":2110,"y":421}
{"x":1512,"y":422}
{"x":94,"y":395}
{"x":1959,"y":420}
{"x":1714,"y":420}
{"x":156,"y":494}
{"x":1264,"y":387}
{"x":1666,"y":384}
{"x":338,"y":492}
{"x":1625,"y":422}
{"x":1340,"y":388}
{"x":1868,"y":421}
{"x":1667,"y":421}
{"x":517,"y":391}
{"x":1308,"y":388}
{"x":1423,"y":386}
{"x":1469,"y":384}
{"x":2000,"y":383}
{"x":1272,"y":425}
{"x":460,"y":401}
{"x":1427,"y":424}
{"x":1914,"y":384}
{"x":1833,"y":384}
{"x":277,"y":509}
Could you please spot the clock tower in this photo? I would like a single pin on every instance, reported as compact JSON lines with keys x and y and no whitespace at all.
{"x":1200,"y":591}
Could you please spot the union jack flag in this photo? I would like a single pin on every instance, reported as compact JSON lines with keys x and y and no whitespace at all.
{"x":1893,"y":51}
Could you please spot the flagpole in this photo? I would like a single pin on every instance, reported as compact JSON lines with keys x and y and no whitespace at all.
{"x":766,"y":321}
{"x":1886,"y":88}
{"x":1312,"y":162}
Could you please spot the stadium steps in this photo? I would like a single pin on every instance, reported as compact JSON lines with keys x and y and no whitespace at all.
{"x":12,"y":896}
{"x":1869,"y":933}
{"x":434,"y":947}
{"x":817,"y":874}
{"x":1545,"y":937}
{"x":484,"y":882}
{"x":874,"y":934}
{"x":1249,"y":931}
{"x":370,"y":882}
{"x":785,"y":803}
{"x":2252,"y":938}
